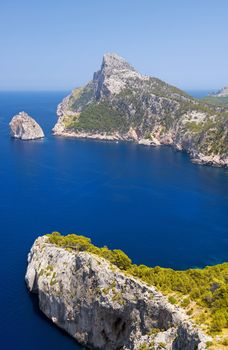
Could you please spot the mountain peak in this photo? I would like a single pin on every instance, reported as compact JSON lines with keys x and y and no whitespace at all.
{"x":114,"y":61}
{"x":113,"y":75}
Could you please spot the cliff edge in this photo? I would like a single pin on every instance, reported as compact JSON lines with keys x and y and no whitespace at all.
{"x":102,"y":307}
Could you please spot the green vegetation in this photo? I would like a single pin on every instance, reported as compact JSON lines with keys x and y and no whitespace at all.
{"x":172,"y":299}
{"x":185,"y":302}
{"x":100,"y":117}
{"x":109,"y":115}
{"x":207,"y":287}
{"x":216,"y":101}
{"x":81,"y":243}
{"x":145,"y":105}
{"x":160,"y":88}
{"x":81,"y":97}
{"x":210,"y":134}
{"x":144,"y":346}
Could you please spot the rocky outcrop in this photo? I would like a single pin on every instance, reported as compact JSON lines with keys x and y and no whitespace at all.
{"x":24,"y":127}
{"x":222,"y":93}
{"x":103,"y":308}
{"x":120,"y":103}
{"x":114,"y":76}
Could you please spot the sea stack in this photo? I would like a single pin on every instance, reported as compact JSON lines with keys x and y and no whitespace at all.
{"x":24,"y":127}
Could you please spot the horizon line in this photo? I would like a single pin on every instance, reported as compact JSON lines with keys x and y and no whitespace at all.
{"x":70,"y":89}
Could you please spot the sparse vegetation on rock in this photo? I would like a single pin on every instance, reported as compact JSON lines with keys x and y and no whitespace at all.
{"x":121,"y":104}
{"x":207,"y":287}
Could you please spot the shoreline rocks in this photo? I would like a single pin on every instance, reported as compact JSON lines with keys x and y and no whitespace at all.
{"x":197,"y":158}
{"x":24,"y":127}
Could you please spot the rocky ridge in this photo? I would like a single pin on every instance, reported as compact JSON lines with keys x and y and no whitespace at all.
{"x":121,"y":104}
{"x":222,"y":93}
{"x":103,"y":308}
{"x":24,"y":127}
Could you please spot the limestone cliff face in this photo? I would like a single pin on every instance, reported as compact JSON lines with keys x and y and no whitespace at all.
{"x":23,"y":127}
{"x":120,"y":103}
{"x":101,"y":307}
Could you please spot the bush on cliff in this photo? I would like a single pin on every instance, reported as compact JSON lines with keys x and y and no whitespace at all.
{"x":81,"y":243}
{"x":208,"y":287}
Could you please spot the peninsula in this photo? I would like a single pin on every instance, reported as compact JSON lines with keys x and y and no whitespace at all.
{"x":122,"y":104}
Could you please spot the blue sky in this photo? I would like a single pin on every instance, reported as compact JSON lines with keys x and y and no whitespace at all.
{"x":58,"y":44}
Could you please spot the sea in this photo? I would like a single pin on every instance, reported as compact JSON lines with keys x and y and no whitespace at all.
{"x":153,"y":203}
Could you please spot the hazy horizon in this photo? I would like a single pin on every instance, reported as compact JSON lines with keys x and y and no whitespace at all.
{"x":70,"y":90}
{"x":56,"y":46}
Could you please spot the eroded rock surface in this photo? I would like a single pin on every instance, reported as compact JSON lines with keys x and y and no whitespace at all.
{"x":101,"y":307}
{"x":24,"y":127}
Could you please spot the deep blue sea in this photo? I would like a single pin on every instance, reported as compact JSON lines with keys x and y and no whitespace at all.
{"x":151,"y":202}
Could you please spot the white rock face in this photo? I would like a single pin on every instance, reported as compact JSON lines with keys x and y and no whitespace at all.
{"x":24,"y":127}
{"x":101,"y":307}
{"x":114,"y":75}
{"x":222,"y":93}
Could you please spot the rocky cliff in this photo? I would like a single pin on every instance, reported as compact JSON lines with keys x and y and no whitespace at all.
{"x":24,"y":127}
{"x":219,"y":98}
{"x":103,"y":307}
{"x":222,"y":93}
{"x":121,"y":104}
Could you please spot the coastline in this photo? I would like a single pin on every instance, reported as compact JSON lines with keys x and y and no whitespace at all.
{"x":196,"y":158}
{"x":155,"y":140}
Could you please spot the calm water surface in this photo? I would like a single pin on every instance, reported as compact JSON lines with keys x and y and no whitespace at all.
{"x":151,"y":202}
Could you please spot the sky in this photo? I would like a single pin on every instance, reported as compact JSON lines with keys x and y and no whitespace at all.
{"x":58,"y":44}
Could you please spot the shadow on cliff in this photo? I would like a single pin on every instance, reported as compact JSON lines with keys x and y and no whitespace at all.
{"x":35,"y":306}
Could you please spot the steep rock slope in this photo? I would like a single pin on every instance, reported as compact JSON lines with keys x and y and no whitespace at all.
{"x":103,"y":308}
{"x":121,"y":104}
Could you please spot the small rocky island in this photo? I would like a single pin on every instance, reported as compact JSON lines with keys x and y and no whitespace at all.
{"x":119,"y":103}
{"x":24,"y":127}
{"x":91,"y":294}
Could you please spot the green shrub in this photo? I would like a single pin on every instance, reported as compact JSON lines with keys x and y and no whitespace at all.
{"x":172,"y":300}
{"x":81,"y":243}
{"x":208,"y":287}
{"x":185,"y":302}
{"x":100,"y":117}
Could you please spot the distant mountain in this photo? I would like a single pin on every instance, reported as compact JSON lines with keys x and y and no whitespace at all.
{"x":121,"y":104}
{"x":222,"y":93}
{"x":219,"y":98}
